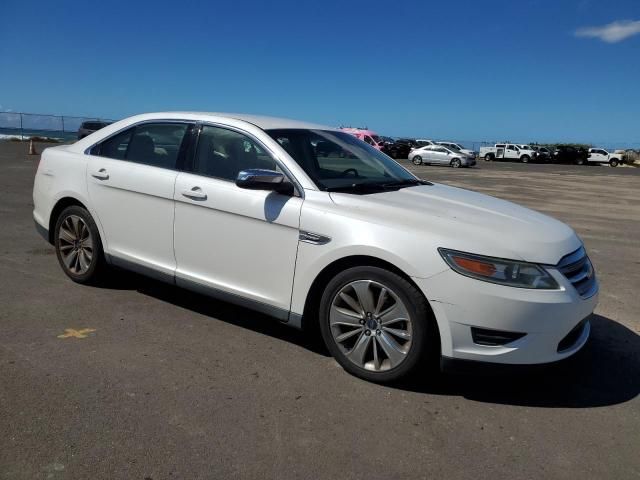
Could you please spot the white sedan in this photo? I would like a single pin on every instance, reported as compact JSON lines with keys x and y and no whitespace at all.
{"x":393,"y":271}
{"x":440,"y":155}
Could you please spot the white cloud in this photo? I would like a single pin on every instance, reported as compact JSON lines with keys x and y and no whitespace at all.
{"x":613,"y":32}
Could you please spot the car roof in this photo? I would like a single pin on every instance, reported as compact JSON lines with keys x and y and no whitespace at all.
{"x":261,"y":121}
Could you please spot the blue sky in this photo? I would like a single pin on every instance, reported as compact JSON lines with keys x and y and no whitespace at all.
{"x":531,"y":70}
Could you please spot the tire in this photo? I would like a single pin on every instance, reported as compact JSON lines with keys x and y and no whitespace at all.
{"x":78,"y":245}
{"x":415,"y":335}
{"x":455,"y":163}
{"x":488,"y":157}
{"x":580,"y":161}
{"x":417,"y":160}
{"x":525,"y":159}
{"x":614,"y":162}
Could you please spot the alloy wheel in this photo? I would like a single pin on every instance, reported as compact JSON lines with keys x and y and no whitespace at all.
{"x":76,"y":244}
{"x":371,"y":325}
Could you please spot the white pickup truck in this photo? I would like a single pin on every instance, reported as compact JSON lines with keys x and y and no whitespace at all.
{"x":599,"y":155}
{"x":508,"y":151}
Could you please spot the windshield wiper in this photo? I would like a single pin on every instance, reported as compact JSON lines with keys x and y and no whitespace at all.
{"x":409,"y":182}
{"x":361,"y":188}
{"x":364,"y":188}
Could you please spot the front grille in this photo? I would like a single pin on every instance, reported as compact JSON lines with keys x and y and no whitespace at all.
{"x":572,"y":337}
{"x":579,"y":271}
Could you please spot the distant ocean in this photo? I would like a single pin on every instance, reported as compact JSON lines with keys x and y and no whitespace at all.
{"x":9,"y":133}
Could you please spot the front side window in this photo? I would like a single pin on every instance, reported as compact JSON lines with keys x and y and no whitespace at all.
{"x":154,"y":144}
{"x":223,"y":153}
{"x":347,"y":165}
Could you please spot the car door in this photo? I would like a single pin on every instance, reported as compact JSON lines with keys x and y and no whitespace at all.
{"x":232,"y":242}
{"x":130,"y":178}
{"x":440,"y":156}
{"x":598,"y":156}
{"x":511,"y":152}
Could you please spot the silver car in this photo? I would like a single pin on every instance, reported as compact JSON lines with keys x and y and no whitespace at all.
{"x":440,"y":155}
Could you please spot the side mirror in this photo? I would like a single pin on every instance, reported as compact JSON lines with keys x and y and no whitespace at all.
{"x":259,"y":179}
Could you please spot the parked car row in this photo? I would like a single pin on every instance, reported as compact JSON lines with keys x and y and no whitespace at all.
{"x":543,"y":154}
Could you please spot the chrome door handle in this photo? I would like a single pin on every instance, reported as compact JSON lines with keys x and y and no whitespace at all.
{"x":195,"y":193}
{"x":100,"y":174}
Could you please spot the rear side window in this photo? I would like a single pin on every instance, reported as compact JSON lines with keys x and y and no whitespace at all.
{"x":155,"y":144}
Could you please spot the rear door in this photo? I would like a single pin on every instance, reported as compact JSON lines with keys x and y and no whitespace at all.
{"x":131,"y":178}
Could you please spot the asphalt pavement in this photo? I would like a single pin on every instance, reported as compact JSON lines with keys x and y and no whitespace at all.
{"x":140,"y":380}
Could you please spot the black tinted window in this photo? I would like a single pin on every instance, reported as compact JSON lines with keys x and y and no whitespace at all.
{"x":155,"y":144}
{"x":114,"y":147}
{"x":223,"y":153}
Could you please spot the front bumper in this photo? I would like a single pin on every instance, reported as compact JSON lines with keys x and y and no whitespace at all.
{"x":546,"y":317}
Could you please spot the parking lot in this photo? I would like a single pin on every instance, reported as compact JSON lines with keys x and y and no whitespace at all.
{"x":164,"y":383}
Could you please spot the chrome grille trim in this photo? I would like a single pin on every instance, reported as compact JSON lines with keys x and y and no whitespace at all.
{"x":577,"y":268}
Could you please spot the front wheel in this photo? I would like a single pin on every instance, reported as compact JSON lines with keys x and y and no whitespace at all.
{"x":525,"y":159}
{"x":614,"y":162}
{"x":376,"y":324}
{"x":455,"y":163}
{"x":78,"y":245}
{"x":417,"y":160}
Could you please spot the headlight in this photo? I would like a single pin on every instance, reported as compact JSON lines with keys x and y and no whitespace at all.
{"x":498,"y":270}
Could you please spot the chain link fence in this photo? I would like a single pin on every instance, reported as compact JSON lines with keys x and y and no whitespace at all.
{"x":27,"y":125}
{"x":64,"y":128}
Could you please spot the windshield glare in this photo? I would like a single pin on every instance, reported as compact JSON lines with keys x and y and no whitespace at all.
{"x":335,"y":160}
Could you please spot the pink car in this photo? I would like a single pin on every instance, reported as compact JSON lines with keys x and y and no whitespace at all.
{"x":369,"y":136}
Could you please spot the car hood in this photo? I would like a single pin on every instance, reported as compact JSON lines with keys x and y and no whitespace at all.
{"x":468,"y":221}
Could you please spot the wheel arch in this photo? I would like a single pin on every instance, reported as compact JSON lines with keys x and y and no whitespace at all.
{"x":314,"y":294}
{"x":58,"y":208}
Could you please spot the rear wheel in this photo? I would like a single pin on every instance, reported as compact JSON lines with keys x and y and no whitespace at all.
{"x":78,"y":245}
{"x":455,"y":163}
{"x":417,"y":160}
{"x":376,"y":324}
{"x":488,"y":157}
{"x":614,"y":162}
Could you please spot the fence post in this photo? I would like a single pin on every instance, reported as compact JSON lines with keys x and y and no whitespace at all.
{"x":62,"y":117}
{"x":21,"y":131}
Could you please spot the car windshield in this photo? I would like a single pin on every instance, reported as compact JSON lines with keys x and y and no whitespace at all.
{"x":376,"y":139}
{"x":341,"y":162}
